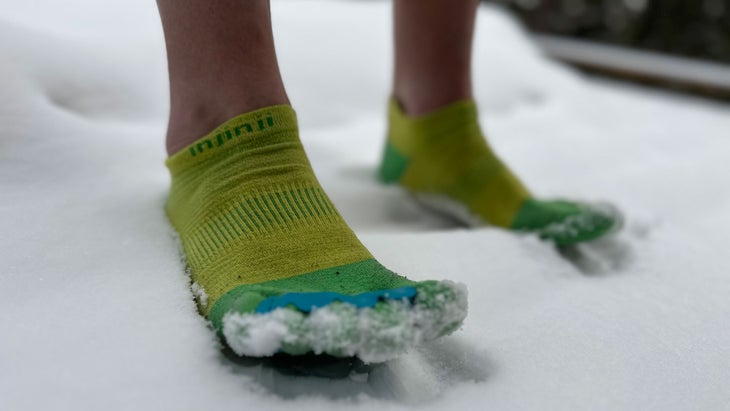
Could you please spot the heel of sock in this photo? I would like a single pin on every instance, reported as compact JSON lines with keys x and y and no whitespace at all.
{"x":392,"y":165}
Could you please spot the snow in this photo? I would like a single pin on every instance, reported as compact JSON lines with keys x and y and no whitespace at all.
{"x":96,"y":311}
{"x":199,"y":294}
{"x":372,"y":334}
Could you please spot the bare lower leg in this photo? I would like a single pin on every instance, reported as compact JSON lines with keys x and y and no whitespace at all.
{"x":433,"y":40}
{"x":221,"y":62}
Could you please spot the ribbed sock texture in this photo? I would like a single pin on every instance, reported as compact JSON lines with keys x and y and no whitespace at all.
{"x":253,"y":218}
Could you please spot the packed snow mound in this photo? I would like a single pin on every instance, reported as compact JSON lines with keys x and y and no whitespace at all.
{"x":96,"y":311}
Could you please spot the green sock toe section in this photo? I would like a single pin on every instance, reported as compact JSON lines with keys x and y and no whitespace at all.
{"x":393,"y":165}
{"x":374,"y":334}
{"x":349,"y":279}
{"x":565,"y":222}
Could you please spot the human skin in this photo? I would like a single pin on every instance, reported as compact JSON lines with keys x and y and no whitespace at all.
{"x":222,"y":61}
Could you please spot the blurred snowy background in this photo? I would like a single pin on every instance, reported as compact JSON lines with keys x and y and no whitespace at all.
{"x":95,"y":310}
{"x":691,"y":28}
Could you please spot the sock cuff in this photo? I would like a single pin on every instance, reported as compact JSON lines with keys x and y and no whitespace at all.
{"x":253,"y":129}
{"x":452,"y":116}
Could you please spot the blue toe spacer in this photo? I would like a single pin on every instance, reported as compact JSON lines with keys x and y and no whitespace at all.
{"x":306,"y":302}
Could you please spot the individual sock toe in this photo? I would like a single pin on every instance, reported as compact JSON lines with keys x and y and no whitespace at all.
{"x":565,"y":222}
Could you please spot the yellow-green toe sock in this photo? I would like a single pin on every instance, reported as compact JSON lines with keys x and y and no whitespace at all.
{"x":444,"y":155}
{"x":258,"y":231}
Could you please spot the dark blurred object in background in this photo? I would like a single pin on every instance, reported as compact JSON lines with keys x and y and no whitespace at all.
{"x":689,"y":28}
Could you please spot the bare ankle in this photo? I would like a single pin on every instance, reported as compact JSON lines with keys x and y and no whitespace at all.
{"x":424,"y":101}
{"x":191,"y":120}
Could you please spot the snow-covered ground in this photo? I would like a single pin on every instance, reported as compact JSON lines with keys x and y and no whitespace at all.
{"x":96,"y":313}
